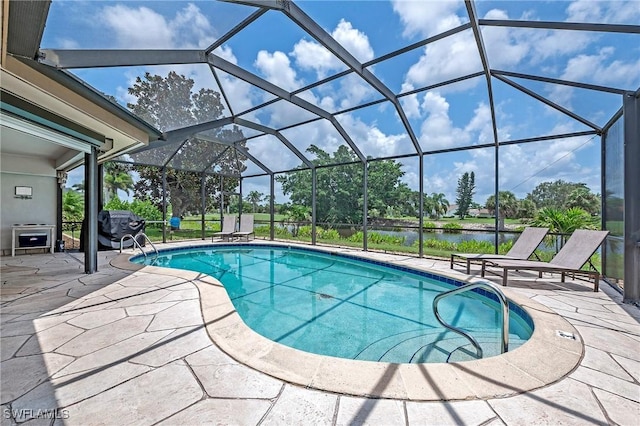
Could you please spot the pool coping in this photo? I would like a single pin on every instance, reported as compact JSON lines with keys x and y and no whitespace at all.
{"x":544,"y":359}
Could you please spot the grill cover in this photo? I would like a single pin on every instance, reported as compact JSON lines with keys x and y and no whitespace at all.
{"x":113,"y":225}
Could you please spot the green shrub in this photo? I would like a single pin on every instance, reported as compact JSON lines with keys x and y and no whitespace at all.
{"x":438,"y":244}
{"x":505,"y":247}
{"x":452,"y":228}
{"x":146,"y":210}
{"x":356,"y":238}
{"x":474,"y":246}
{"x":327,"y":234}
{"x":282,"y":232}
{"x":429,"y":226}
{"x":72,"y":208}
{"x":262,"y":231}
{"x":143,"y":208}
{"x":117,"y":204}
{"x":304,"y":231}
{"x":376,"y":238}
{"x":544,"y":256}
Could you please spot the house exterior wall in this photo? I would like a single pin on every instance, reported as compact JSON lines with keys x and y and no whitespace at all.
{"x":37,"y":173}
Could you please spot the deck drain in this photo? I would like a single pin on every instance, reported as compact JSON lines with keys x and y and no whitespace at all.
{"x":565,"y":334}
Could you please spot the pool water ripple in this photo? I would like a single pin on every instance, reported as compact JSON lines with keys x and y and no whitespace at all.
{"x":339,"y":306}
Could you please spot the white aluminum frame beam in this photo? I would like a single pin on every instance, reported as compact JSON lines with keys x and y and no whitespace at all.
{"x":495,"y":73}
{"x":550,"y":25}
{"x":109,"y":58}
{"x":240,"y":149}
{"x":267,"y":86}
{"x":284,"y":140}
{"x":293,"y":12}
{"x":549,"y":103}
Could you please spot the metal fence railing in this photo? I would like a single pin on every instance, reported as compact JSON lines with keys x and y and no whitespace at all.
{"x":438,"y":241}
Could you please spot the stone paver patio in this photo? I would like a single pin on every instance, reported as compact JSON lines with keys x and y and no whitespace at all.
{"x":127,"y":346}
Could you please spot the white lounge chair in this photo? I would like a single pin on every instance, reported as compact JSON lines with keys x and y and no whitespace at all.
{"x":246,"y":227}
{"x":574,"y":254}
{"x":522,"y":249}
{"x":228,"y":228}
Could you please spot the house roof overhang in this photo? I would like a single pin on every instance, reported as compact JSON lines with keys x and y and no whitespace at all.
{"x":38,"y":89}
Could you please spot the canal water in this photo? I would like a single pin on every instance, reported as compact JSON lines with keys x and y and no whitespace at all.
{"x":411,"y":236}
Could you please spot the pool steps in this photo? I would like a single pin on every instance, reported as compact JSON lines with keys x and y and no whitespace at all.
{"x":436,"y":346}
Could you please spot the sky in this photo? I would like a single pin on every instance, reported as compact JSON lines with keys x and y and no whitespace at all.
{"x":451,"y":116}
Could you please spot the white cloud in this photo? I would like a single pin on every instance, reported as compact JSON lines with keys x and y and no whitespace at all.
{"x":616,"y":12}
{"x":356,"y":42}
{"x":191,"y":28}
{"x":131,"y":27}
{"x":410,"y":104}
{"x":482,"y":124}
{"x":313,"y":56}
{"x":597,"y":68}
{"x":66,"y":43}
{"x":143,"y":28}
{"x":427,"y":18}
{"x":226,"y":53}
{"x":353,"y":91}
{"x":276,"y":68}
{"x":437,"y":130}
{"x":452,"y":57}
{"x":554,"y":43}
{"x":503,"y":48}
{"x":522,"y":167}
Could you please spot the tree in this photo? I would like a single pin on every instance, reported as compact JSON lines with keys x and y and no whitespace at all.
{"x":465,"y":191}
{"x":72,"y":206}
{"x":294,"y":214}
{"x":339,"y":189}
{"x":508,"y":204}
{"x":438,"y":204}
{"x":169,"y":103}
{"x":145,"y":209}
{"x":586,"y":200}
{"x":429,"y":206}
{"x":526,"y":209}
{"x":254,"y":197}
{"x":554,"y":194}
{"x":78,"y":187}
{"x":116,"y":177}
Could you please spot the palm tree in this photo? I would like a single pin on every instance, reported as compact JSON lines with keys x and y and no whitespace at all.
{"x":563,"y":221}
{"x":116,"y":177}
{"x":428,"y":206}
{"x":440,"y":204}
{"x":254,"y":197}
{"x":508,"y":204}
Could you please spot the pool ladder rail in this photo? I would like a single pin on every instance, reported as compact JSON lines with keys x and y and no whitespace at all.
{"x":137,"y":244}
{"x":504,"y":344}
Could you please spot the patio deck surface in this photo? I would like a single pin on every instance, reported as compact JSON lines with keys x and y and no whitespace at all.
{"x":131,"y":346}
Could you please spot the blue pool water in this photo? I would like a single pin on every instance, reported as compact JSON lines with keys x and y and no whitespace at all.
{"x":338,"y":306}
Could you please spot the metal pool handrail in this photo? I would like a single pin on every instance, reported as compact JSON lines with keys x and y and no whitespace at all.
{"x":504,"y":344}
{"x":135,"y":242}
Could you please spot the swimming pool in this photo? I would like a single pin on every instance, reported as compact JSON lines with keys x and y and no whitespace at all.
{"x":340,"y":306}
